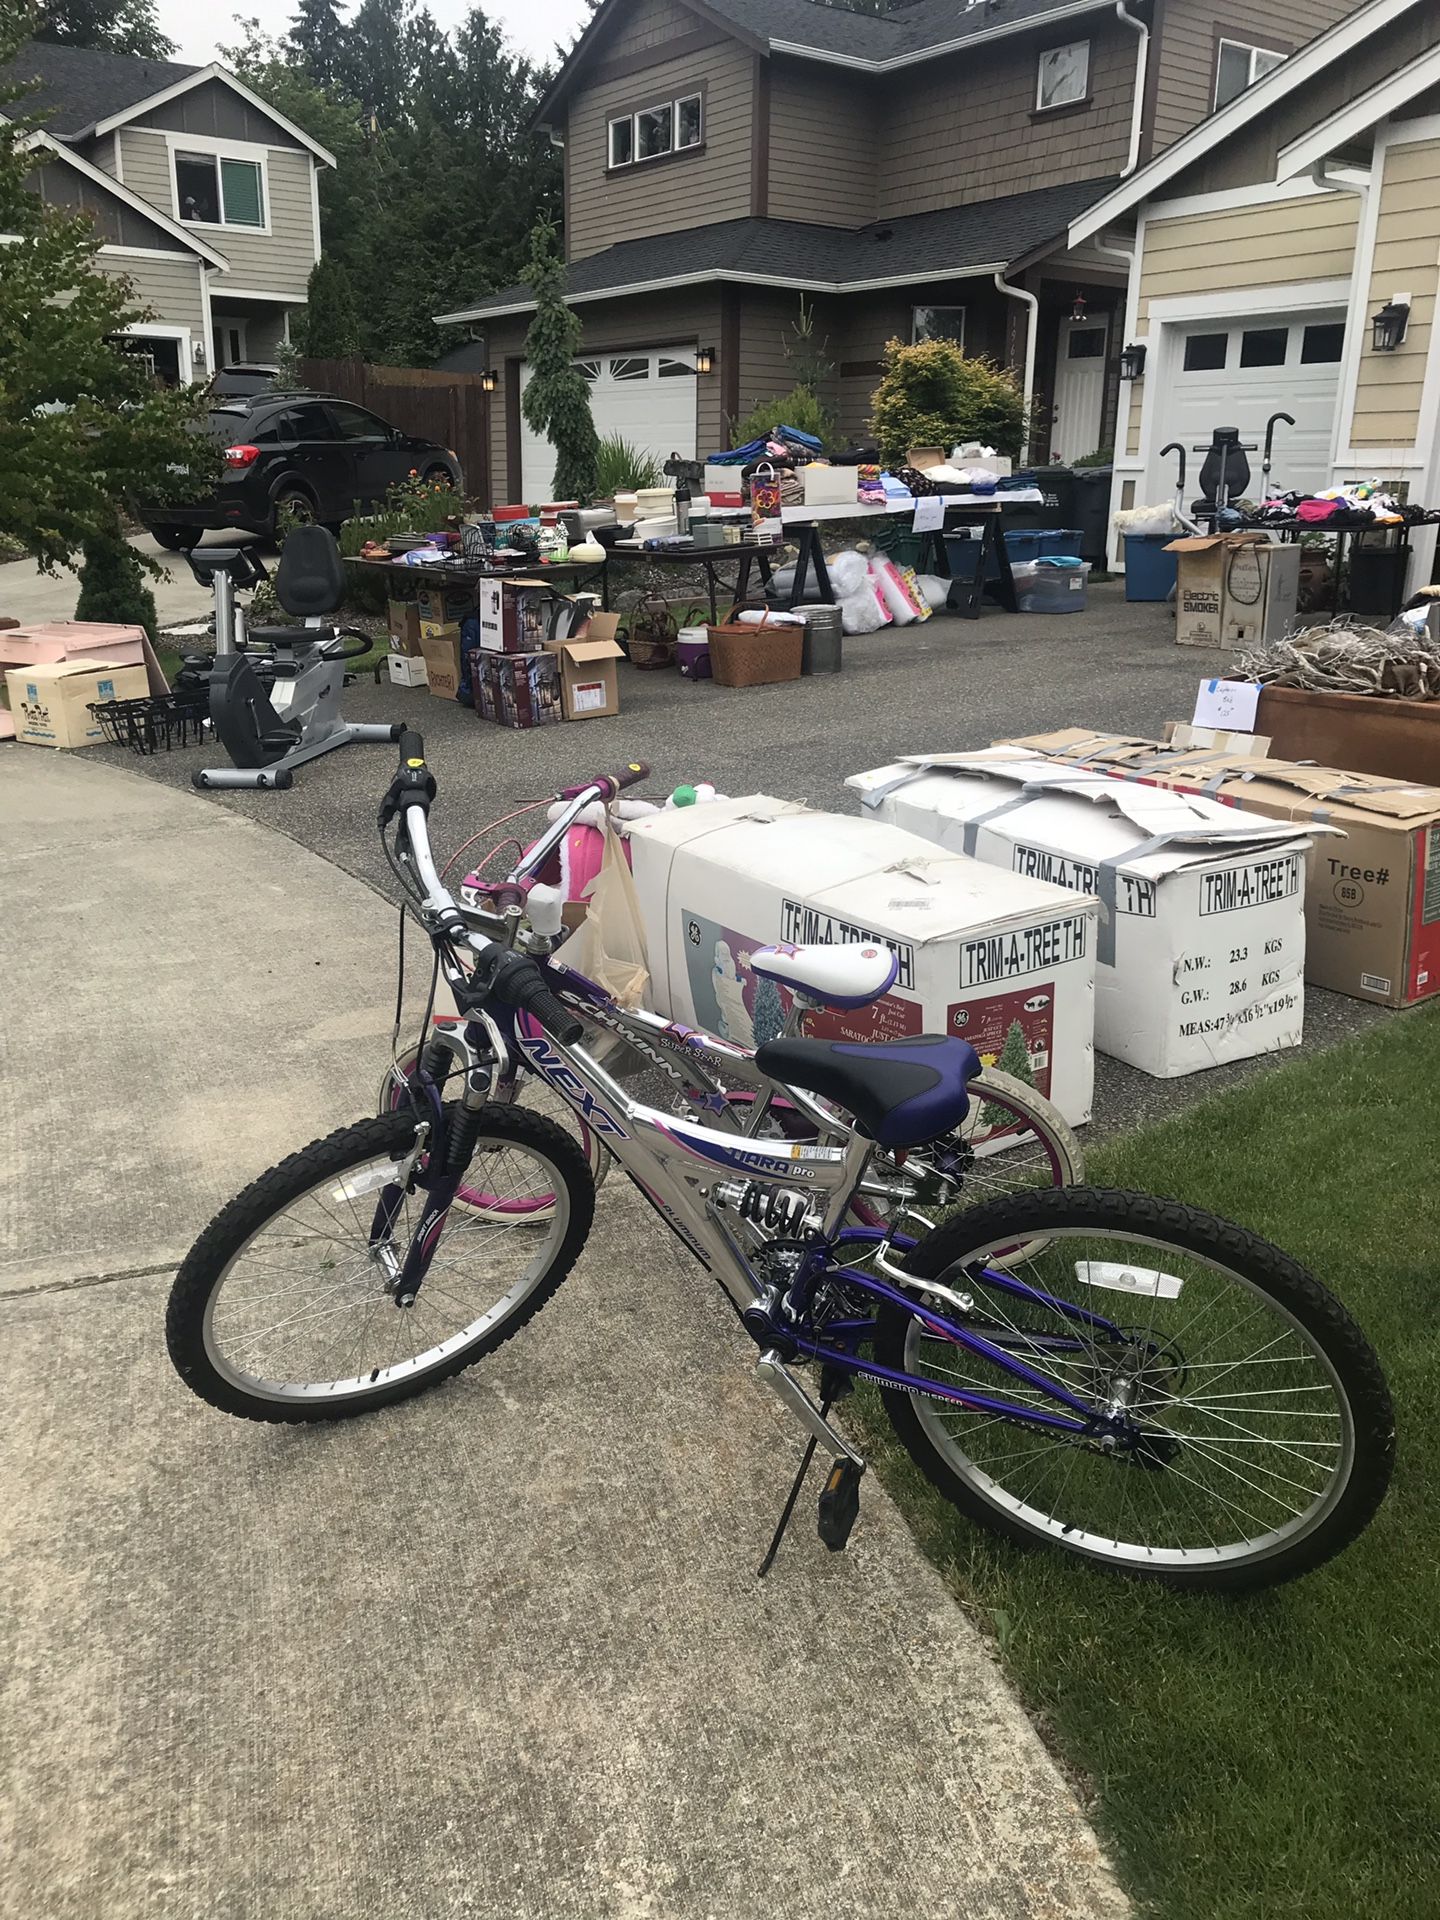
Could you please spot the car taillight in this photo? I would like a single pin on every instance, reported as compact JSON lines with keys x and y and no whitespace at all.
{"x":241,"y":456}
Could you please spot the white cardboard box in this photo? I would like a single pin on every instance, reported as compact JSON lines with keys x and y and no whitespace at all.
{"x":1201,"y":942}
{"x":982,"y":953}
{"x":408,"y":670}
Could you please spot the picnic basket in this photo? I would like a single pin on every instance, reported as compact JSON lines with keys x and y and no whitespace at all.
{"x":754,"y":656}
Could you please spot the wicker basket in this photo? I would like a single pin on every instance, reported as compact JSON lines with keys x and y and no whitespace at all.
{"x":755,"y":656}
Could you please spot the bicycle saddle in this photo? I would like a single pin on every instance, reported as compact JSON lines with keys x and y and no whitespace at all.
{"x":835,"y":976}
{"x":901,"y":1092}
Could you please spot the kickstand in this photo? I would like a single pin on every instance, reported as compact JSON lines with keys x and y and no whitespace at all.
{"x":794,"y":1495}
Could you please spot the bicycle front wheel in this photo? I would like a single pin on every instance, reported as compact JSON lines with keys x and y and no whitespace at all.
{"x":1258,"y":1435}
{"x":285,"y":1310}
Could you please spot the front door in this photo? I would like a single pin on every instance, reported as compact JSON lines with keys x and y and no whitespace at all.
{"x":1080,"y":362}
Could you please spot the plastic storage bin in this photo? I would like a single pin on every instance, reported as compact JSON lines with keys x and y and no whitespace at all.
{"x":1150,"y":572}
{"x":1032,"y":545}
{"x":1046,"y":588}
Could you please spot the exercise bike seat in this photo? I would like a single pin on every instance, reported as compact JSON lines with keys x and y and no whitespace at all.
{"x":311,"y":575}
{"x":834,"y":976}
{"x":245,"y":722}
{"x":901,"y":1092}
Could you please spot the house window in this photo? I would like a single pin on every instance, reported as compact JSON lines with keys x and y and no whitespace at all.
{"x":1238,"y":66}
{"x":1062,"y":76}
{"x":938,"y":323}
{"x":214,"y":191}
{"x":1086,"y":343}
{"x":1205,"y":352}
{"x":671,"y":127}
{"x":1323,"y":343}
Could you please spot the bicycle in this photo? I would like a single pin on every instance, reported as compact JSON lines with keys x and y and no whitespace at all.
{"x":1148,"y":1425}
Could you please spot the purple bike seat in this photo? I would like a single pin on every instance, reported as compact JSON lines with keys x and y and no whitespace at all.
{"x":901,"y":1092}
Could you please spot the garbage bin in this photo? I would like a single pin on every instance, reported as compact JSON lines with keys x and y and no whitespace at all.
{"x":1056,"y":509}
{"x":1377,"y":578}
{"x":1150,"y":571}
{"x":1092,"y":512}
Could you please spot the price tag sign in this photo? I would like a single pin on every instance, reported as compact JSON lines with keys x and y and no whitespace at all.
{"x":1227,"y":704}
{"x":929,"y":514}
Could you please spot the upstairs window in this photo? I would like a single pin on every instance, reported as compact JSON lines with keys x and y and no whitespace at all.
{"x":1062,"y":76}
{"x":938,"y":323}
{"x":214,"y":191}
{"x":671,"y":126}
{"x":1238,"y":66}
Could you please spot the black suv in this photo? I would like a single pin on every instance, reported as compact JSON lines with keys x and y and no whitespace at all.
{"x":307,"y":452}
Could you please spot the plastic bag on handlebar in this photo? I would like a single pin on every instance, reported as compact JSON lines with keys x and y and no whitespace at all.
{"x":609,"y":945}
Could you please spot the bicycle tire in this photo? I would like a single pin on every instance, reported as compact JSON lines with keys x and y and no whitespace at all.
{"x":1219,"y":1244}
{"x":238,"y":1222}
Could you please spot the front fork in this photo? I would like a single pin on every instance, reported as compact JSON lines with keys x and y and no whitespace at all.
{"x":440,"y":1179}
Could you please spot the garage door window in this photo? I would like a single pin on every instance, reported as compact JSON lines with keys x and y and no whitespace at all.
{"x":1264,"y":346}
{"x":1322,"y":344}
{"x":633,"y":369}
{"x":1205,"y":352}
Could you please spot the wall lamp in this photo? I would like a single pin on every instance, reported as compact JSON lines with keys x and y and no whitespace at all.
{"x":1132,"y":362}
{"x":487,"y":381}
{"x":704,"y":359}
{"x":1389,"y":325}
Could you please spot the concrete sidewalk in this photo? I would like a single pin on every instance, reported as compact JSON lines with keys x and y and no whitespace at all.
{"x":29,"y":595}
{"x":499,"y":1652}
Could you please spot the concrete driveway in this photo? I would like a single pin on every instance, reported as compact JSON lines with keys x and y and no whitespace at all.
{"x":499,"y":1652}
{"x":28,"y":595}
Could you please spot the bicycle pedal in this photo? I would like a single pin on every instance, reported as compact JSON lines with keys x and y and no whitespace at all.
{"x":840,"y":1504}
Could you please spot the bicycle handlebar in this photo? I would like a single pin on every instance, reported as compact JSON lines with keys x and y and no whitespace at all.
{"x":612,"y":783}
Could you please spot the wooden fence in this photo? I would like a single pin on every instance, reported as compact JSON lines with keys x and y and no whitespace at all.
{"x":451,"y":408}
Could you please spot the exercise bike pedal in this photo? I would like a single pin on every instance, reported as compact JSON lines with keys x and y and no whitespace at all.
{"x":840,"y":1504}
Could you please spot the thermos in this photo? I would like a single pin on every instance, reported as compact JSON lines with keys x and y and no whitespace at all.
{"x":682,"y":506}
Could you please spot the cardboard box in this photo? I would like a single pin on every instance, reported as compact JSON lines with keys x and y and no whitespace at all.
{"x":407,"y":669}
{"x":923,"y":458}
{"x":1201,"y":944}
{"x":589,"y":684}
{"x":441,"y":654}
{"x":517,"y":689}
{"x":523,"y":616}
{"x":403,"y":619}
{"x":30,"y":643}
{"x":1234,"y":589}
{"x":830,"y":486}
{"x":982,"y":952}
{"x":50,"y":701}
{"x":441,"y":606}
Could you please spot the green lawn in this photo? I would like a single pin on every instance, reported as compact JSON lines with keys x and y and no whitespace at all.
{"x":1274,"y":1757}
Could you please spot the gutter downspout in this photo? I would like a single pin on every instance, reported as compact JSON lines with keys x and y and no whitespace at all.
{"x":1353,"y":349}
{"x":1137,"y":110}
{"x":1032,"y":329}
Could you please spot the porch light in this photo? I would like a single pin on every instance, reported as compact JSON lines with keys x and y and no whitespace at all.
{"x":1077,"y":307}
{"x":1132,"y":362}
{"x":487,"y":381}
{"x":704,"y":359}
{"x":1389,"y":325}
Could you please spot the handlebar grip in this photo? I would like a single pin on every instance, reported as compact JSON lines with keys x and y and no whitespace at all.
{"x":557,"y":1019}
{"x":612,"y":783}
{"x":412,"y":747}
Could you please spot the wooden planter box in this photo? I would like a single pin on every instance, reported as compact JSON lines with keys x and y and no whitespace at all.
{"x":1356,"y":731}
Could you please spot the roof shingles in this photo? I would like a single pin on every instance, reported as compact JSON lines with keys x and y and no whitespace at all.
{"x":80,"y":85}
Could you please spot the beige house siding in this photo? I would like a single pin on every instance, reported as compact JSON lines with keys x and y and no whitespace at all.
{"x":665,"y":195}
{"x":170,"y":291}
{"x":1389,"y":386}
{"x":819,"y":169}
{"x":964,"y":129}
{"x":1185,"y":48}
{"x":1280,"y":242}
{"x":275,"y":262}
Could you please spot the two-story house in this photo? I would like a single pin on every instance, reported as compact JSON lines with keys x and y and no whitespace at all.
{"x":910,"y":174}
{"x":203,"y":196}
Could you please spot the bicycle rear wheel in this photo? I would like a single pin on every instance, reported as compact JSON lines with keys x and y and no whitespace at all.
{"x":285,"y":1310}
{"x":1264,"y":1435}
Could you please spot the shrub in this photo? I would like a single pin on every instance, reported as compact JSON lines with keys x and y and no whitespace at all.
{"x":621,"y":468}
{"x":932,"y":394}
{"x":801,"y":408}
{"x":556,"y":401}
{"x":112,"y":583}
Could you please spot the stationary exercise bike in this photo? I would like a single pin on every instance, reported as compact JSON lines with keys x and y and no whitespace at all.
{"x":269,"y":732}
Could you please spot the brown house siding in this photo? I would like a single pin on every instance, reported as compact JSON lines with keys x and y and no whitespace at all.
{"x":215,"y":110}
{"x":59,"y":185}
{"x":823,"y":165}
{"x":681,"y":190}
{"x":965,"y":129}
{"x":1186,"y":43}
{"x":647,"y":25}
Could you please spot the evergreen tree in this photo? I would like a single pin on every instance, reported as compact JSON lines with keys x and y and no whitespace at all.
{"x":377,"y":66}
{"x":82,"y":424}
{"x":317,"y":40}
{"x":112,"y":581}
{"x":117,"y":26}
{"x":1014,"y":1059}
{"x":769,"y":1011}
{"x":556,"y":402}
{"x":331,"y":324}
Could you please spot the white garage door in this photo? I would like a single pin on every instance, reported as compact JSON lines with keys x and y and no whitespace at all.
{"x":1236,"y":374}
{"x":648,"y":398}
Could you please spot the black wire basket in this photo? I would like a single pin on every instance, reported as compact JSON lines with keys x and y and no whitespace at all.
{"x":155,"y":724}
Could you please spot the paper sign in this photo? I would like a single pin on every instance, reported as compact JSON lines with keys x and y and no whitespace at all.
{"x":1227,"y":703}
{"x":929,"y":514}
{"x":587,"y":696}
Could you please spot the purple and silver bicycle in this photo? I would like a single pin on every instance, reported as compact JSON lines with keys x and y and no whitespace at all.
{"x":1120,"y":1377}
